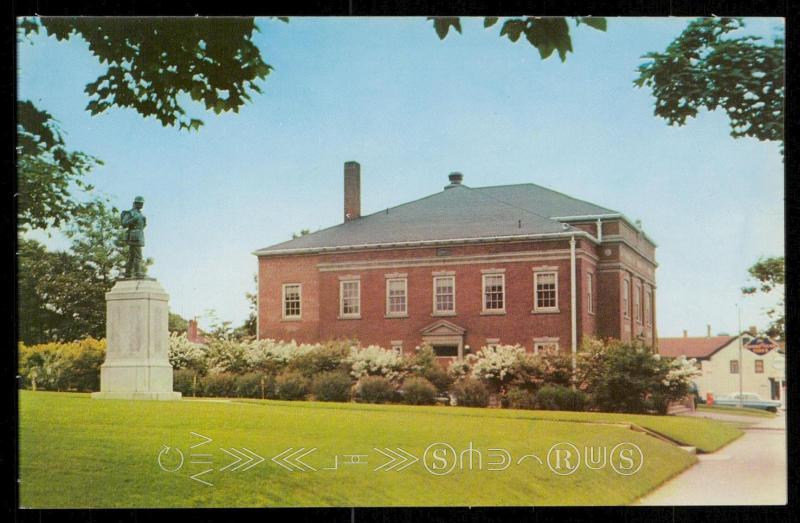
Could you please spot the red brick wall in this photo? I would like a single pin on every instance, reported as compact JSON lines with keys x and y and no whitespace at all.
{"x":320,"y":276}
{"x":320,"y":297}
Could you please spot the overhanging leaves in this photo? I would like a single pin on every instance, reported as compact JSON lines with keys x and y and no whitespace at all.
{"x":705,"y":67}
{"x":151,"y":62}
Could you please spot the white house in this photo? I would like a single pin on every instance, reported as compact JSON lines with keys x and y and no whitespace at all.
{"x":762,"y":364}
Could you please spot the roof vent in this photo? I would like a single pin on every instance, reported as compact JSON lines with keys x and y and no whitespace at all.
{"x":455,"y":179}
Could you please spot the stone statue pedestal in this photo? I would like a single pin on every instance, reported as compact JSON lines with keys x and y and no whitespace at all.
{"x":137,"y":366}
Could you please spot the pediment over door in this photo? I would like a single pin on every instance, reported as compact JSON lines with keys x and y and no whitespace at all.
{"x":443,"y":328}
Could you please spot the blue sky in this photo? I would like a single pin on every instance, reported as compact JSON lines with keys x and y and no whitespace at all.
{"x":410,"y":108}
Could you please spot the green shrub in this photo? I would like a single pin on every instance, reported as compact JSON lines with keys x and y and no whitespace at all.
{"x":375,"y":389}
{"x":322,"y":358}
{"x":71,"y":365}
{"x":439,"y":378}
{"x":291,"y":386}
{"x":471,"y":392}
{"x":255,"y":385}
{"x":332,"y":385}
{"x":219,"y":385}
{"x":187,"y":382}
{"x":521,"y":399}
{"x":418,"y":391}
{"x":557,"y":397}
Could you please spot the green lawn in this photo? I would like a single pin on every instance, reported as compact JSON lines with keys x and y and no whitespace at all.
{"x":724,"y":409}
{"x":79,"y":452}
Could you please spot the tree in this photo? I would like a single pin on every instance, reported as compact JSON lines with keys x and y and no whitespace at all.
{"x":151,"y":65}
{"x":46,"y":170}
{"x":177,"y":324}
{"x":545,"y":34}
{"x":770,"y":275}
{"x":62,"y":293}
{"x":706,"y":67}
{"x":248,"y":328}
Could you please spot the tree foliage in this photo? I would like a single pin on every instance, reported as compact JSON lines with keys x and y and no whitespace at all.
{"x":545,"y":34}
{"x":770,"y":275}
{"x":47,"y":171}
{"x":706,"y":67}
{"x":150,"y":63}
{"x":62,"y":293}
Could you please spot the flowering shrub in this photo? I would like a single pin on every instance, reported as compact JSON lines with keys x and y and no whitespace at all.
{"x":184,"y":354}
{"x":375,"y":361}
{"x":458,"y":370}
{"x":269,"y":355}
{"x":634,"y":379}
{"x":495,"y":365}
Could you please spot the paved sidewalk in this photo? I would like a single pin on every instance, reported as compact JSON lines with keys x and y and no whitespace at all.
{"x":749,"y":471}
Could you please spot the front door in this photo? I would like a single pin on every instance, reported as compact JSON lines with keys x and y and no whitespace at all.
{"x":775,"y":389}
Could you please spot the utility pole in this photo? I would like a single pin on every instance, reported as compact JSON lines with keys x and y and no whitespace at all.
{"x":741,"y":363}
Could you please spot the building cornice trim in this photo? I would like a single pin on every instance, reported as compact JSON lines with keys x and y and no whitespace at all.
{"x":525,"y":256}
{"x":428,"y":243}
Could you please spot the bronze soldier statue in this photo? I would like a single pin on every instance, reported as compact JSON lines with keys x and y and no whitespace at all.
{"x":134,"y":222}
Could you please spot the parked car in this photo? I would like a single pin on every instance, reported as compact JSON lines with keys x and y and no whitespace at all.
{"x":749,"y":400}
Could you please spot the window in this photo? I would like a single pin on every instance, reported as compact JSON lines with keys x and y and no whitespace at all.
{"x":396,"y":297}
{"x":546,"y":346}
{"x":350,"y":299}
{"x":759,"y":366}
{"x":546,"y":284}
{"x":590,"y":292}
{"x":291,"y":301}
{"x":648,"y":300}
{"x":734,"y":366}
{"x":637,"y":302}
{"x":626,"y":305}
{"x":494,"y":293}
{"x":444,"y":295}
{"x":397,"y":346}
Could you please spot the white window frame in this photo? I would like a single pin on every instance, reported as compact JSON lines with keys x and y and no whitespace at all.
{"x":637,"y":302}
{"x":590,"y":292}
{"x":389,"y":312}
{"x":756,"y":366}
{"x":492,"y":274}
{"x":299,"y":286}
{"x":626,"y":298}
{"x":436,"y":311}
{"x":341,"y":299}
{"x":397,"y":346}
{"x":539,"y":344}
{"x":648,"y":307}
{"x":738,"y":367}
{"x":536,"y":276}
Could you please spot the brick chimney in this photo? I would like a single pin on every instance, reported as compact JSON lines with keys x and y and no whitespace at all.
{"x":708,"y":331}
{"x":685,"y":333}
{"x":352,"y":191}
{"x":191,"y":331}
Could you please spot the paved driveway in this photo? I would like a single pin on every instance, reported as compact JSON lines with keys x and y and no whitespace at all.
{"x":749,"y":471}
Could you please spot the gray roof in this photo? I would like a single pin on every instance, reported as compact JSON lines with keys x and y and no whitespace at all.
{"x":458,"y":212}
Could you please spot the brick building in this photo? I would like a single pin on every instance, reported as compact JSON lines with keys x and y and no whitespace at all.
{"x":461,"y":269}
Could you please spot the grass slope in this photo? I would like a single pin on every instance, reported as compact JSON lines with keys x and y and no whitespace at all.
{"x":745,"y":411}
{"x":79,"y":452}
